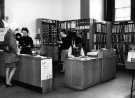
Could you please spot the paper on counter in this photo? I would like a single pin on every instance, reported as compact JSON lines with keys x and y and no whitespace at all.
{"x":82,"y":58}
{"x":42,"y":57}
{"x":131,"y":55}
{"x":95,"y":53}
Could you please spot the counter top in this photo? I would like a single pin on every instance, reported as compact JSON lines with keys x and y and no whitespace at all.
{"x":82,"y":58}
{"x":35,"y":56}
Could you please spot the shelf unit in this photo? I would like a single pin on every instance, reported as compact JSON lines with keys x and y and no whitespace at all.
{"x":100,"y":36}
{"x":123,"y":34}
{"x":48,"y":31}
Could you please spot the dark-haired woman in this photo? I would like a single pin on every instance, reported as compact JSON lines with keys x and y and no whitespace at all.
{"x":26,"y":42}
{"x":76,"y":48}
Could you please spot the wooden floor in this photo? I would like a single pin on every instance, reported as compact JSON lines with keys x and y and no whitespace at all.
{"x":116,"y":88}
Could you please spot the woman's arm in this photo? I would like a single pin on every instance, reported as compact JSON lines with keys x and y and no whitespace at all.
{"x":70,"y":52}
{"x":82,"y":52}
{"x":12,"y":43}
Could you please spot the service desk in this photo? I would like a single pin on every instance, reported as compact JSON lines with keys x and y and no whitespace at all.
{"x":36,"y":71}
{"x":108,"y":69}
{"x":2,"y":64}
{"x":81,"y":73}
{"x":32,"y":70}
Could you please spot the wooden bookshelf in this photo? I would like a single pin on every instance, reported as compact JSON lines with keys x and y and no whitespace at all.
{"x":100,"y":36}
{"x":123,"y":34}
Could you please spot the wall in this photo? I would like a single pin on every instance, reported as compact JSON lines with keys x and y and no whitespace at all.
{"x":24,"y":12}
{"x":71,"y":9}
{"x":96,"y":9}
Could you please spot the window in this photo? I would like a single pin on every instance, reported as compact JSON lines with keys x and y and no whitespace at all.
{"x":122,"y":10}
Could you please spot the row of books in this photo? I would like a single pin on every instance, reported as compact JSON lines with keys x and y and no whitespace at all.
{"x":98,"y":46}
{"x":123,"y":28}
{"x":100,"y":27}
{"x":127,"y":38}
{"x":76,"y":24}
{"x":99,"y":38}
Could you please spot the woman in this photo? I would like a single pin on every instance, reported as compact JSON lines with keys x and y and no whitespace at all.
{"x":17,"y":35}
{"x":65,"y":42}
{"x":63,"y":48}
{"x":26,"y":42}
{"x":10,"y":56}
{"x":76,"y":48}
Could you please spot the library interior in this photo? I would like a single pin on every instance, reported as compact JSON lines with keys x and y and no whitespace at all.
{"x":67,"y":48}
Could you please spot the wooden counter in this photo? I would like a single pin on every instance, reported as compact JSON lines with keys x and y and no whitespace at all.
{"x":108,"y":70}
{"x":33,"y":70}
{"x":84,"y":73}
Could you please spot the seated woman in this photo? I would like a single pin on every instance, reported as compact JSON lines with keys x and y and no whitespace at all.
{"x":26,"y":42}
{"x":76,"y":48}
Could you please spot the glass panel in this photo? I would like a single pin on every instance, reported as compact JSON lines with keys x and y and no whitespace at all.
{"x":122,"y":18}
{"x":122,"y":13}
{"x":122,"y":3}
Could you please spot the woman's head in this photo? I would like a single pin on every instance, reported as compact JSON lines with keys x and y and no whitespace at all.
{"x":25,"y":31}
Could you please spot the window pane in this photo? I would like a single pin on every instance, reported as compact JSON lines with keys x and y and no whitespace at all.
{"x":122,"y":18}
{"x":122,"y":13}
{"x":122,"y":3}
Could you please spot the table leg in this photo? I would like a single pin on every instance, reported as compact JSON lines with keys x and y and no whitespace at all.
{"x":132,"y":85}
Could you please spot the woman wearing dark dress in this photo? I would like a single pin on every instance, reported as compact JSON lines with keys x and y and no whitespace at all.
{"x":26,"y":42}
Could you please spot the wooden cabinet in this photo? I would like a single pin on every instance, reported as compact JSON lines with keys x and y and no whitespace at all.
{"x":35,"y":71}
{"x":32,"y":70}
{"x":108,"y":70}
{"x":80,"y":74}
{"x":84,"y":73}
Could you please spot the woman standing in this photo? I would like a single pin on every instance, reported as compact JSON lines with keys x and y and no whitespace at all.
{"x":63,"y":48}
{"x":10,"y":56}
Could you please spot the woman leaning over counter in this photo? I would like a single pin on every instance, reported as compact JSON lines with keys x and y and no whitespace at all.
{"x":11,"y":57}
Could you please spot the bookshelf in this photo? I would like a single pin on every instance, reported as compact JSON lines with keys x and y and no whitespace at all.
{"x":123,"y":34}
{"x":100,"y":36}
